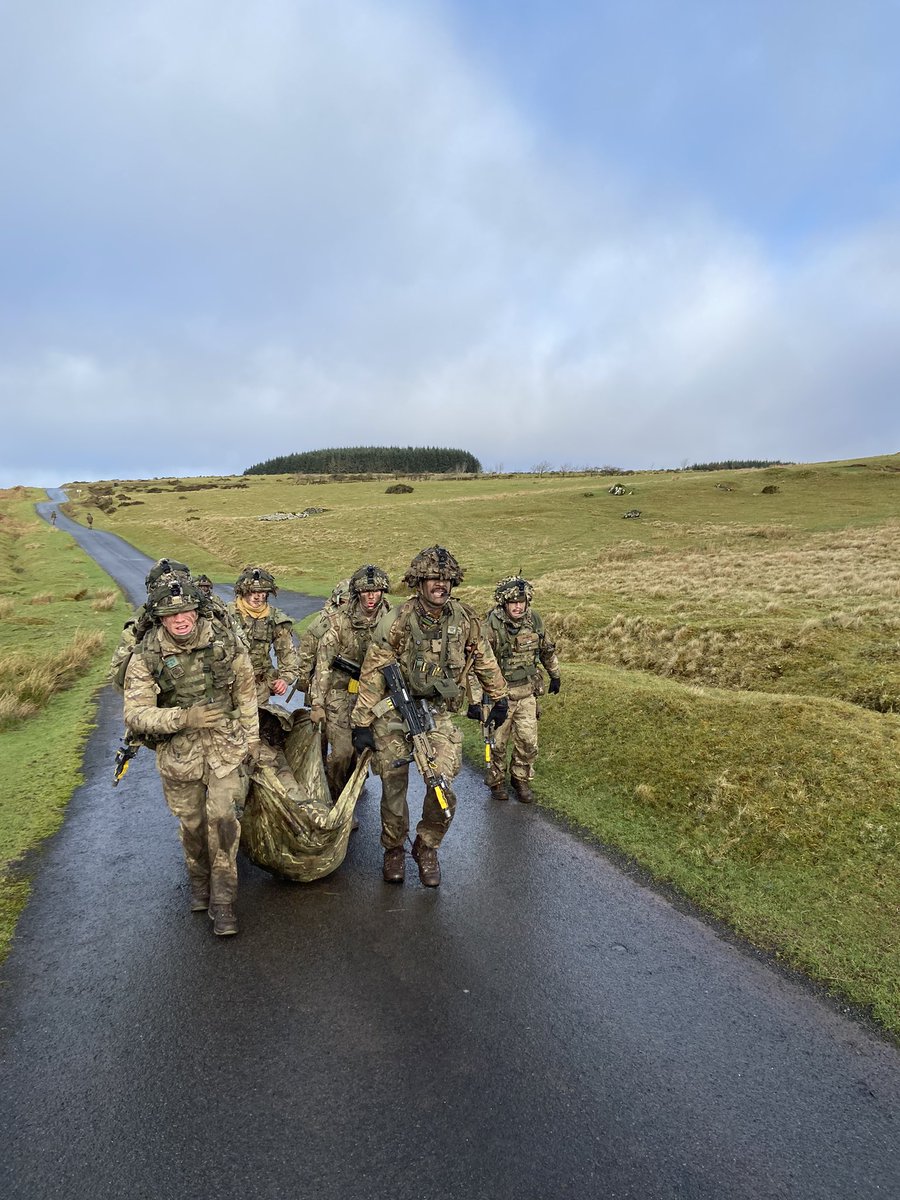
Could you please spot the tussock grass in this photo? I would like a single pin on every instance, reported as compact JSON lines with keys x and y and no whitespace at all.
{"x":105,"y":602}
{"x":50,"y":664}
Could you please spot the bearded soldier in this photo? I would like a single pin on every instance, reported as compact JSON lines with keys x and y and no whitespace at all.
{"x":315,"y":631}
{"x":189,"y":690}
{"x":436,"y":641}
{"x":335,"y":683}
{"x":519,"y":641}
{"x":266,"y":628}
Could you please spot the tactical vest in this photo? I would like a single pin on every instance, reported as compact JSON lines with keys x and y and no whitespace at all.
{"x":260,"y":633}
{"x":200,"y":676}
{"x":433,"y":660}
{"x":517,"y":651}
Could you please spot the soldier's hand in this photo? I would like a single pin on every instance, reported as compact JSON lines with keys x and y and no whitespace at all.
{"x":317,"y":714}
{"x":278,"y":687}
{"x":254,"y":749}
{"x":363,"y":738}
{"x":555,"y":685}
{"x":203,"y":716}
{"x":499,"y":713}
{"x":473,"y":712}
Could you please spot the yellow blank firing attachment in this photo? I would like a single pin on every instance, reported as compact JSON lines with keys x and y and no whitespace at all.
{"x":353,"y":685}
{"x":441,"y":799}
{"x":487,"y":752}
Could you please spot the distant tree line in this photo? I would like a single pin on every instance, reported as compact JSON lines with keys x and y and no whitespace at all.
{"x":378,"y":459}
{"x":736,"y":464}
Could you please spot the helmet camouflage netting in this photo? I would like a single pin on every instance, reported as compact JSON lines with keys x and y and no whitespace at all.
{"x":173,"y":594}
{"x":436,"y":562}
{"x":165,"y":566}
{"x":369,"y":579}
{"x":255,"y":579}
{"x":512,"y":588}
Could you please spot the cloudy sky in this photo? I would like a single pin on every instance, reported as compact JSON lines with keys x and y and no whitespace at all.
{"x":627,"y":232}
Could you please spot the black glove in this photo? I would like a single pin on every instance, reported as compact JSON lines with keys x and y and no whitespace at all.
{"x":555,"y":685}
{"x":473,"y":712}
{"x":362,"y":738}
{"x":498,"y":713}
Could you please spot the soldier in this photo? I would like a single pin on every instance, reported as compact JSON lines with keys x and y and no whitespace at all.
{"x":205,"y":585}
{"x":53,"y":517}
{"x":335,"y":684}
{"x":436,"y":641}
{"x":139,"y":625}
{"x":266,"y":628}
{"x":90,"y":521}
{"x":312,"y":635}
{"x":517,"y":637}
{"x":189,"y":688}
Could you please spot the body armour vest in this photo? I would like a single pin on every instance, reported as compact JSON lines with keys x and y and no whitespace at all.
{"x":432,"y":657}
{"x":518,"y":645}
{"x":260,"y":636}
{"x":200,"y":676}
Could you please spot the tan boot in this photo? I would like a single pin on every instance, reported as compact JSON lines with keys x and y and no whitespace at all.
{"x":199,"y":896}
{"x":394,"y":867}
{"x":223,"y":919}
{"x":522,"y":788}
{"x":429,"y":867}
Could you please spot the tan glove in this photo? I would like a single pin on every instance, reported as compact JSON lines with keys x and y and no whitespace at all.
{"x":203,"y":716}
{"x":317,"y":714}
{"x":254,"y":750}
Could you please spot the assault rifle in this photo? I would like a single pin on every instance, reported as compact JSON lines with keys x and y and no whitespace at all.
{"x":339,"y":663}
{"x":487,"y":729}
{"x":417,"y":718}
{"x":124,"y":755}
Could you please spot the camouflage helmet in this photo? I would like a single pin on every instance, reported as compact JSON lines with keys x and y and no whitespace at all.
{"x":435,"y":562}
{"x":513,"y":588}
{"x":204,"y":583}
{"x":369,"y":579}
{"x":165,"y":566}
{"x":173,"y":594}
{"x":341,"y":593}
{"x":255,"y":579}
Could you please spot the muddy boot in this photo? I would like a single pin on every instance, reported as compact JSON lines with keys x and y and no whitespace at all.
{"x":498,"y":790}
{"x":429,"y":867}
{"x":223,"y":919}
{"x":523,"y":790}
{"x":394,"y":865}
{"x":199,"y":896}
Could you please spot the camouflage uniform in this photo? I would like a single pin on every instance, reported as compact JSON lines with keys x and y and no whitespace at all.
{"x":519,"y":646}
{"x":432,"y":654}
{"x":271,"y":631}
{"x":349,"y":635}
{"x":313,"y":634}
{"x":199,"y":768}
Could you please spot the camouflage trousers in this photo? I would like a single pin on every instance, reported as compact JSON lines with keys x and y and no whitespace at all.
{"x":341,"y":755}
{"x":446,"y":741}
{"x":521,"y":729}
{"x":210,"y":832}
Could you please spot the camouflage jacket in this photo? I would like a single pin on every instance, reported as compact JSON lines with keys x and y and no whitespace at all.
{"x":519,"y":646}
{"x":309,"y":644}
{"x":432,"y":656}
{"x":348,"y":635}
{"x":273,"y":631}
{"x":165,"y":678}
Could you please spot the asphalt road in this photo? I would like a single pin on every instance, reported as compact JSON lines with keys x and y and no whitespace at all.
{"x":542,"y":1025}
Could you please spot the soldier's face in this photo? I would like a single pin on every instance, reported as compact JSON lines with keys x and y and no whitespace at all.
{"x":370,"y":600}
{"x":180,"y":624}
{"x":435,"y":592}
{"x":256,"y":599}
{"x":516,"y":609}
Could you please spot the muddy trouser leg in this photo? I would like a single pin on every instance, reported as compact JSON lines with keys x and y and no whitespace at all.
{"x":523,"y":717}
{"x":187,"y":801}
{"x":341,"y":758}
{"x":496,"y":772}
{"x":394,"y":780}
{"x":210,"y":831}
{"x":447,"y":742}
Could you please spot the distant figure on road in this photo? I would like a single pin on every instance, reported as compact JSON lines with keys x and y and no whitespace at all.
{"x":189,"y":688}
{"x":435,"y":641}
{"x":90,"y":521}
{"x":520,"y":643}
{"x":53,"y":517}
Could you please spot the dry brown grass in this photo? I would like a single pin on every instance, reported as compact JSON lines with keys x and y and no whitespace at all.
{"x":104,"y":602}
{"x":42,"y":598}
{"x":26,"y":687}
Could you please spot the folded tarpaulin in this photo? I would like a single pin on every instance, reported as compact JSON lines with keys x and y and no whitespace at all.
{"x":298,"y":833}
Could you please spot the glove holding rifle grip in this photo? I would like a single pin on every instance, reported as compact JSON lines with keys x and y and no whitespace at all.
{"x":475,"y":712}
{"x":498,"y":713}
{"x":554,"y":685}
{"x":362,"y":738}
{"x":203,"y":716}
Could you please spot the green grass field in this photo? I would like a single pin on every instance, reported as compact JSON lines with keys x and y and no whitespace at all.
{"x":59,"y":620}
{"x":731,"y":664}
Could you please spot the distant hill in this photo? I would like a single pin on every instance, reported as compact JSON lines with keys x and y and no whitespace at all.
{"x":380,"y":459}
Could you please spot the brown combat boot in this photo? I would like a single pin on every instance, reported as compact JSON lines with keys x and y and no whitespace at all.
{"x":498,"y":790}
{"x":199,"y":897}
{"x":523,"y":790}
{"x":429,"y":867}
{"x":223,"y":919}
{"x":394,"y":865}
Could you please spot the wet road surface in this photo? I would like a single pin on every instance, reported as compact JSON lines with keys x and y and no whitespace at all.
{"x":542,"y":1025}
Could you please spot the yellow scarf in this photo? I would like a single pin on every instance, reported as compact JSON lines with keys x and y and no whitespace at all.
{"x":248,"y":612}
